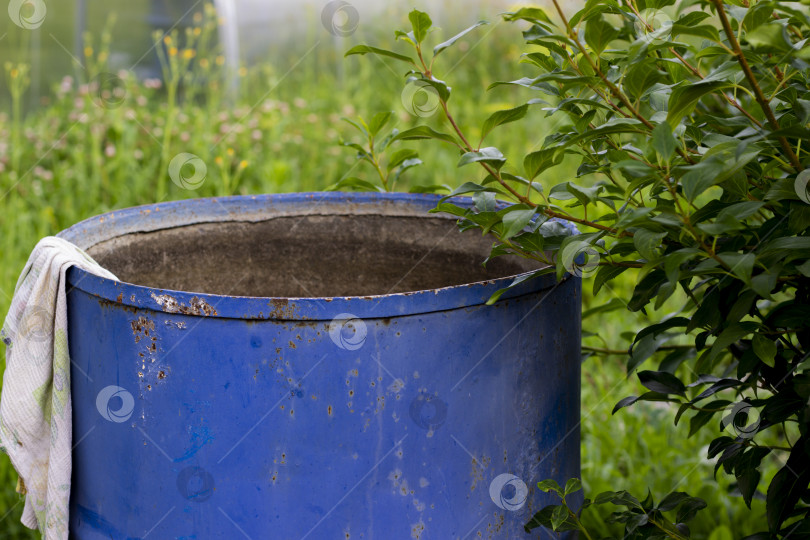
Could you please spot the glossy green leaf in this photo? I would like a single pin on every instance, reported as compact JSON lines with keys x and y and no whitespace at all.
{"x":689,"y":509}
{"x":407,"y":37}
{"x":646,"y":241}
{"x":515,"y":220}
{"x":684,"y":98}
{"x":701,"y":177}
{"x":663,"y":142}
{"x":378,"y":121}
{"x":598,"y":33}
{"x":423,"y":132}
{"x":558,"y":517}
{"x":541,"y":160}
{"x":741,"y":264}
{"x":355,"y":184}
{"x":397,"y":158}
{"x":617,"y":126}
{"x":661,"y":381}
{"x":764,"y":348}
{"x":769,"y":37}
{"x":421,"y":23}
{"x":706,"y":31}
{"x":503,"y":117}
{"x":671,"y":501}
{"x":490,"y":155}
{"x":572,"y":485}
{"x":550,"y":485}
{"x":361,"y":127}
{"x":441,"y":88}
{"x":531,"y":14}
{"x":366,"y":49}
{"x":641,"y":76}
{"x":444,"y":45}
{"x":788,"y":485}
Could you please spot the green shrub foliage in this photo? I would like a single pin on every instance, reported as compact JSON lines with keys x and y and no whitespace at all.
{"x":689,"y":124}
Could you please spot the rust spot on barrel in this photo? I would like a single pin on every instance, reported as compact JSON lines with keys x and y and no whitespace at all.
{"x":103,"y":302}
{"x":197,"y":306}
{"x":141,"y":327}
{"x":281,"y":309}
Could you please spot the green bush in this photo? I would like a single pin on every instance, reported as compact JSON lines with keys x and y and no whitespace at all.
{"x":687,"y":121}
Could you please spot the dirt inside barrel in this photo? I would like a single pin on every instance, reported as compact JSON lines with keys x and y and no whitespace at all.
{"x":307,"y":256}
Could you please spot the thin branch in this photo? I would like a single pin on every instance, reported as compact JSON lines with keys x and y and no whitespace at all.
{"x":758,"y":95}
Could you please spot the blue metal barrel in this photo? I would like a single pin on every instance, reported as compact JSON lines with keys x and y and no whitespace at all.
{"x":313,"y":366}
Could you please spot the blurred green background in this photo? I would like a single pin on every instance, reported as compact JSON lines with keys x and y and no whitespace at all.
{"x":69,"y":150}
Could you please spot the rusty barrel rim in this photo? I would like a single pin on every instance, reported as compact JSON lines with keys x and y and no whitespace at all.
{"x":173,"y":214}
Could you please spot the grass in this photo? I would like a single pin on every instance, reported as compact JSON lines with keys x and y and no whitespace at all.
{"x":84,"y":152}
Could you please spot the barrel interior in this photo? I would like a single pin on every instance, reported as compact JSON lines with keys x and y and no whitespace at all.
{"x":307,"y":256}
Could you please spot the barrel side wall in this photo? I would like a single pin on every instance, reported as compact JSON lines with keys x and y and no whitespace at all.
{"x":201,"y":427}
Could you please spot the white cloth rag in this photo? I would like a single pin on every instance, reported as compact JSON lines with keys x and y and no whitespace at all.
{"x":35,"y":404}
